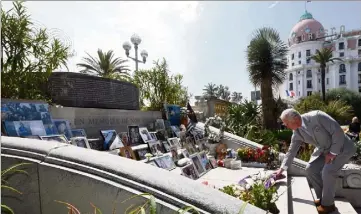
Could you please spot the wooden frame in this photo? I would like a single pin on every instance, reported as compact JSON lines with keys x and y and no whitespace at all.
{"x":127,"y":152}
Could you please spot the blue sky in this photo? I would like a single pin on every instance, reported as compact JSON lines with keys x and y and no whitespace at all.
{"x":204,"y":41}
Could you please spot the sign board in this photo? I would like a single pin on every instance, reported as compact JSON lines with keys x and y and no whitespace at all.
{"x":220,"y":109}
{"x":255,"y":95}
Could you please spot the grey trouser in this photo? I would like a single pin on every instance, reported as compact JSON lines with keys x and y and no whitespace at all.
{"x":323,"y":176}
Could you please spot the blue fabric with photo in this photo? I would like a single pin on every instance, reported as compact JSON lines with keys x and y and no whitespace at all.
{"x":78,"y":133}
{"x":27,"y":111}
{"x":173,"y":114}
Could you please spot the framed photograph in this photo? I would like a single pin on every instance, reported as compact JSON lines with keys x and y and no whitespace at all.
{"x":185,"y":153}
{"x":205,"y":161}
{"x":153,"y":163}
{"x":176,"y":130}
{"x":159,"y":124}
{"x":190,"y":171}
{"x":213,"y":162}
{"x":134,"y":136}
{"x":198,"y":164}
{"x":144,"y":134}
{"x":57,"y":138}
{"x":78,"y":133}
{"x":153,"y":135}
{"x":141,"y":153}
{"x":189,"y":146}
{"x":182,"y":138}
{"x":111,"y":140}
{"x":165,"y":162}
{"x":202,"y":144}
{"x":166,"y":146}
{"x":161,"y":135}
{"x":124,"y":138}
{"x":155,"y":147}
{"x":174,"y":142}
{"x":80,"y":142}
{"x":63,"y":127}
{"x":32,"y":137}
{"x":127,"y":152}
{"x":174,"y":153}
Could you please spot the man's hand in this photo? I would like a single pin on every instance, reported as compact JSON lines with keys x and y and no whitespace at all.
{"x":279,"y":174}
{"x":329,"y":158}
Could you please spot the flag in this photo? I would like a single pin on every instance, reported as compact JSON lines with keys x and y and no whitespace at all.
{"x":191,"y":114}
{"x":290,"y":93}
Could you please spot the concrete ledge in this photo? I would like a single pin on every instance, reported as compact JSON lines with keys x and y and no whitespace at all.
{"x":302,"y":197}
{"x":93,"y":166}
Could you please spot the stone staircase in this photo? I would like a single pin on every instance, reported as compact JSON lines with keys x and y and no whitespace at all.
{"x":297,"y":195}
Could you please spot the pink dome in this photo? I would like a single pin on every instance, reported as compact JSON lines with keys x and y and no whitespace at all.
{"x":307,"y":29}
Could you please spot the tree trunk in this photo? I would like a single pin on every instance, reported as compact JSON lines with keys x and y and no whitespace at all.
{"x":268,"y":105}
{"x":323,"y":86}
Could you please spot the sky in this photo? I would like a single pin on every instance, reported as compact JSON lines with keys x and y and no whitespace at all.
{"x":205,"y":41}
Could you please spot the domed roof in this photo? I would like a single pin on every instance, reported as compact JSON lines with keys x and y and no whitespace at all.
{"x":306,"y":26}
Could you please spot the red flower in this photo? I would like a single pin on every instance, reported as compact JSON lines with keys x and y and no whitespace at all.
{"x":265,"y":147}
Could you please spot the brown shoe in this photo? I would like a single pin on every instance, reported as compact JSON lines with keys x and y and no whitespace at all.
{"x":326,"y":209}
{"x":317,"y":202}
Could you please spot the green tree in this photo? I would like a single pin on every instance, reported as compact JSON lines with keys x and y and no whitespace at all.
{"x":30,"y":55}
{"x":267,"y":62}
{"x":105,"y":65}
{"x":352,"y":98}
{"x":157,"y":86}
{"x":210,"y":90}
{"x":236,"y":97}
{"x":323,"y":57}
{"x":223,"y":92}
{"x":338,"y":109}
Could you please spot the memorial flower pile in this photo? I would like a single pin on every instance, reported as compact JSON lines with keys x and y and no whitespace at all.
{"x":263,"y":155}
{"x":256,"y":190}
{"x":212,"y":136}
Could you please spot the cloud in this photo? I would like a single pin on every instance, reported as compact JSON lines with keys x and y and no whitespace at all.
{"x":273,"y":4}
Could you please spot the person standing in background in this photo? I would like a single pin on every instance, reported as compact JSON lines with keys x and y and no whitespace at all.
{"x":355,"y":127}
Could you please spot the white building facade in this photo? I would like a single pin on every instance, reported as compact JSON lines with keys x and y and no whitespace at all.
{"x":303,"y":75}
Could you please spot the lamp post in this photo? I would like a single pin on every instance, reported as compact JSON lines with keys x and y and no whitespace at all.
{"x":136,"y":40}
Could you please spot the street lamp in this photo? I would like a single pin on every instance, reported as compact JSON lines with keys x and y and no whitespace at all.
{"x":136,"y":40}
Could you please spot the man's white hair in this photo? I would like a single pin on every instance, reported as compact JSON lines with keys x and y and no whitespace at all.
{"x":290,"y":115}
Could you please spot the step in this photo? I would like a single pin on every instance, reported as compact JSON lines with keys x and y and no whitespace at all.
{"x":343,"y":206}
{"x":282,"y":191}
{"x":302,"y":199}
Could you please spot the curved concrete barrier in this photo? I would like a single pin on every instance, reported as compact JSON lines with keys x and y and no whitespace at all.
{"x":79,"y":176}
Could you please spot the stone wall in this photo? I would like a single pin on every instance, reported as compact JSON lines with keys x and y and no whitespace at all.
{"x":93,"y":120}
{"x":82,"y":176}
{"x":87,"y":91}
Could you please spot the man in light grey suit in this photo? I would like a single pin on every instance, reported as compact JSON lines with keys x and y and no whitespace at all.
{"x":333,"y":150}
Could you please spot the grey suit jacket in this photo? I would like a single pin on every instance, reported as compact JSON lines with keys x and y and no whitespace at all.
{"x":324,"y":133}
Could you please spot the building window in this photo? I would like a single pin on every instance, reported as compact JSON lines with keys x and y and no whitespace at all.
{"x":292,"y":56}
{"x":359,"y":42}
{"x":359,"y":78}
{"x":308,"y":52}
{"x":309,"y":74}
{"x":310,"y":36}
{"x":309,"y":83}
{"x":291,"y":86}
{"x":298,"y":72}
{"x":299,"y":82}
{"x":299,"y":54}
{"x":327,"y":81}
{"x":293,"y":64}
{"x":303,"y":37}
{"x":359,"y":66}
{"x":359,"y":89}
{"x":308,"y":60}
{"x":359,"y":52}
{"x":291,"y":77}
{"x":299,"y":62}
{"x":342,"y":54}
{"x":342,"y":68}
{"x":342,"y":79}
{"x":341,"y":45}
{"x":309,"y":93}
{"x":319,"y":80}
{"x":299,"y":93}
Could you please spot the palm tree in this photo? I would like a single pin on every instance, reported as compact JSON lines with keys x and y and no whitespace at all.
{"x":236,"y":97}
{"x":267,"y":62}
{"x":323,"y":57}
{"x":210,"y":90}
{"x":223,"y":92}
{"x":105,"y":65}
